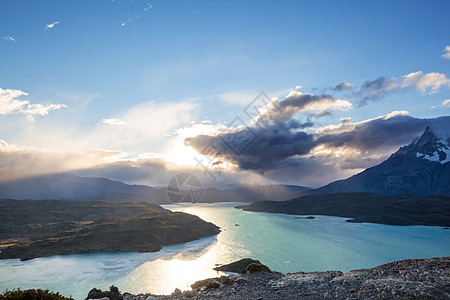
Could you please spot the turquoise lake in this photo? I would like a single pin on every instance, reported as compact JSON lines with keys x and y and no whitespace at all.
{"x":280,"y":241}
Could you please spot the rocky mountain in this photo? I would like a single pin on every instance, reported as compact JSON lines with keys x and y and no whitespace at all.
{"x":422,"y":167}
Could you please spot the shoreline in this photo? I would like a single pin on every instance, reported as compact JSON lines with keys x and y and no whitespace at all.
{"x":403,"y":210}
{"x":411,"y":278}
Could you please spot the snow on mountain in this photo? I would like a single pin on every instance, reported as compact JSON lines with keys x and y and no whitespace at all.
{"x":432,"y":147}
{"x":422,"y":167}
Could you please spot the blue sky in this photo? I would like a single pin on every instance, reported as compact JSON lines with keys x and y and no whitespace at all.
{"x":206,"y":60}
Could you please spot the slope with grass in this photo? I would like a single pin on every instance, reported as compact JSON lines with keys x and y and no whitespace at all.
{"x":30,"y":229}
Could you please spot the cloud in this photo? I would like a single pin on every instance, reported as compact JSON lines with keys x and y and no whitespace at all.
{"x":41,"y":110}
{"x":10,"y":104}
{"x":51,"y":25}
{"x":428,"y":83}
{"x":297,"y":103}
{"x":148,"y":6}
{"x":273,"y":135}
{"x":375,"y":89}
{"x":9,"y":38}
{"x":445,"y":104}
{"x":447,"y":52}
{"x":375,"y":135}
{"x":20,"y":162}
{"x":131,"y":17}
{"x":236,"y":97}
{"x":282,"y":147}
{"x":254,"y":148}
{"x":343,"y":86}
{"x":113,"y":121}
{"x":149,"y":168}
{"x":371,"y":90}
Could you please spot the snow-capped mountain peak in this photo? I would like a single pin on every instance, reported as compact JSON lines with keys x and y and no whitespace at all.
{"x":431,"y":147}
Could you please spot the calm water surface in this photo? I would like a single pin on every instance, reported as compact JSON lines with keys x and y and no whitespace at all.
{"x":282,"y":242}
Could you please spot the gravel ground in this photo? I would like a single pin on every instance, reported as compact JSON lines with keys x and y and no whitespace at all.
{"x":407,"y":279}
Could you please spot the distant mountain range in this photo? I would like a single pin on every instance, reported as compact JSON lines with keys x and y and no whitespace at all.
{"x":422,"y":167}
{"x":59,"y":186}
{"x":69,"y":186}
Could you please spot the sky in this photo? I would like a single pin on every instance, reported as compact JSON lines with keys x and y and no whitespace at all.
{"x":295,"y":92}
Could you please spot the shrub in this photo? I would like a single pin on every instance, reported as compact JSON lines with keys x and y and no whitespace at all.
{"x":32,"y":294}
{"x":255,"y":267}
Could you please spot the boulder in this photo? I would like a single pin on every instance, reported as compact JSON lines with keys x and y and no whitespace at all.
{"x":237,"y":266}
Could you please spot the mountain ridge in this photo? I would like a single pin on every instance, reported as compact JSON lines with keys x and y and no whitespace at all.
{"x":422,"y":167}
{"x":66,"y":186}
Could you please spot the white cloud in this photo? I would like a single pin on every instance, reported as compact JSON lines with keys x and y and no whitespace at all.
{"x":51,"y":25}
{"x":242,"y":97}
{"x":131,"y":17}
{"x":445,"y":104}
{"x":10,"y":104}
{"x":148,"y":6}
{"x":113,"y":121}
{"x":19,"y":162}
{"x":145,"y":127}
{"x":428,"y":83}
{"x":447,"y":52}
{"x":9,"y":38}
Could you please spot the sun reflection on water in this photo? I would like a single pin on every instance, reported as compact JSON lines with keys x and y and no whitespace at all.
{"x":188,"y":266}
{"x":178,"y":272}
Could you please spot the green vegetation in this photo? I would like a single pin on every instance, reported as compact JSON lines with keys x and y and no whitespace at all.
{"x":30,"y":229}
{"x":212,"y":285}
{"x":32,"y":294}
{"x":255,"y":267}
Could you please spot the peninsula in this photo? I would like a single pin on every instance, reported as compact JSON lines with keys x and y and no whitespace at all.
{"x":408,"y":209}
{"x":31,"y":229}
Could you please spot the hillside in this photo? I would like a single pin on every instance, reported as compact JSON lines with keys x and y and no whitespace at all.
{"x":30,"y":229}
{"x":60,"y":186}
{"x":366,"y":207}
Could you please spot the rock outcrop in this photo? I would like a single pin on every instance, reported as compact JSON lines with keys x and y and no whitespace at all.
{"x":407,"y":279}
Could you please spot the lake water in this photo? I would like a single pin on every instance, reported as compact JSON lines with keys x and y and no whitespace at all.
{"x":280,"y":241}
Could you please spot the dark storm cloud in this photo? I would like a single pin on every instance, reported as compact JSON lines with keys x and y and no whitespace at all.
{"x":278,"y":146}
{"x":302,"y":103}
{"x":256,"y":148}
{"x":376,"y":133}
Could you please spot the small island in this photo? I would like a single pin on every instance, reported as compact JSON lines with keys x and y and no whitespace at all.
{"x":31,"y":229}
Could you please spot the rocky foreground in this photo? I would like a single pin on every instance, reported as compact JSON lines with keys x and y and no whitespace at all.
{"x":406,"y":279}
